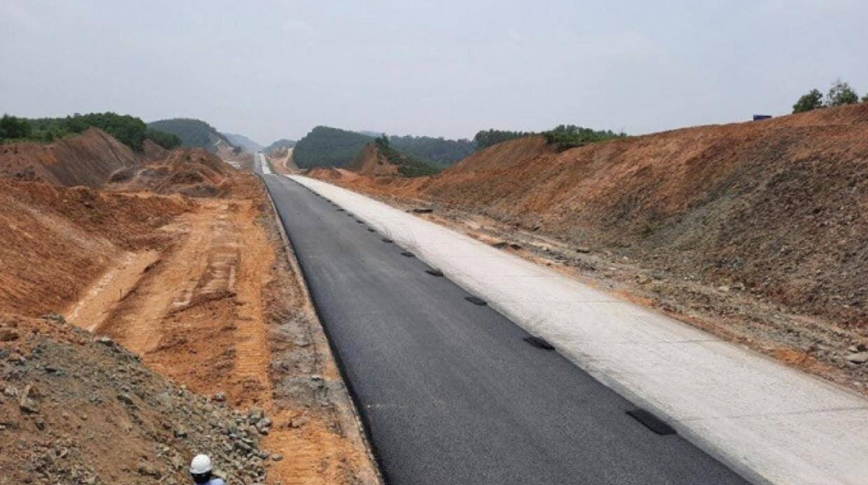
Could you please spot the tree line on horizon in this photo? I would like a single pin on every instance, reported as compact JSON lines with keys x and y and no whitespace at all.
{"x":564,"y":136}
{"x":129,"y":130}
{"x":192,"y":132}
{"x":839,"y":94}
{"x":333,"y":147}
{"x":408,"y":165}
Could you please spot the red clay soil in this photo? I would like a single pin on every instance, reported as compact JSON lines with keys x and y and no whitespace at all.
{"x":777,"y":206}
{"x":282,"y":161}
{"x":203,"y":291}
{"x":88,"y":159}
{"x":326,"y":173}
{"x":56,"y":239}
{"x":194,"y":172}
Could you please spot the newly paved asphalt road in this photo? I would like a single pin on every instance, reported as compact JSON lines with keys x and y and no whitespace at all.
{"x":449,"y":391}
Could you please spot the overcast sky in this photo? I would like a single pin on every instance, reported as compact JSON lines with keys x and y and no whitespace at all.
{"x":274,"y":69}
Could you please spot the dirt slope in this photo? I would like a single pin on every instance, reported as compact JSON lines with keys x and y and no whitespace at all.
{"x":194,"y":172}
{"x":369,"y":161}
{"x":282,"y":162}
{"x":777,"y":206}
{"x":327,"y":173}
{"x":754,"y":231}
{"x":202,"y":290}
{"x":88,"y":159}
{"x":54,"y":239}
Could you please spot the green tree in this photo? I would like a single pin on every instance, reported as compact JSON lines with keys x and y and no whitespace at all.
{"x":12,"y":128}
{"x":382,"y":141}
{"x":809,"y":102}
{"x":328,"y":147}
{"x":165,"y":140}
{"x":192,"y":133}
{"x":439,"y":151}
{"x":571,"y":136}
{"x":487,"y":138}
{"x":840,"y":94}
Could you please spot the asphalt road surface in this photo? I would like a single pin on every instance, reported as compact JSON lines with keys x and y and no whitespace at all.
{"x":449,"y":391}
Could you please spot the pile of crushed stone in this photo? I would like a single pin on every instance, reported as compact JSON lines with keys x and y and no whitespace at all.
{"x":80,"y":409}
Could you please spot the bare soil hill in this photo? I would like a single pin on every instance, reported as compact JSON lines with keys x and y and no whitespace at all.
{"x":203,"y":291}
{"x":328,"y":173}
{"x":88,"y":159}
{"x":770,"y":211}
{"x":194,"y":172}
{"x":57,"y":238}
{"x":200,"y":288}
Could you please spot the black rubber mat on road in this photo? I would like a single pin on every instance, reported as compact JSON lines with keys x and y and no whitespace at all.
{"x":434,"y":272}
{"x":408,"y":254}
{"x":476,"y":300}
{"x":539,"y":343}
{"x":651,"y":422}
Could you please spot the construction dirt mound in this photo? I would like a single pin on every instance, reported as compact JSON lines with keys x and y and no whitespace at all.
{"x":77,"y":231}
{"x":79,"y":409}
{"x":192,"y":172}
{"x":88,"y":159}
{"x":325,"y":173}
{"x":776,"y":208}
{"x":371,"y":162}
{"x":203,"y":292}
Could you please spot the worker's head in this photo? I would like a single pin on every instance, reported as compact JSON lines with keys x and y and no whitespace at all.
{"x":200,"y":469}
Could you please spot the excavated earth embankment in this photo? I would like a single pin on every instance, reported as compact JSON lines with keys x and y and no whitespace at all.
{"x":88,"y":159}
{"x":772,"y":212}
{"x":214,"y":346}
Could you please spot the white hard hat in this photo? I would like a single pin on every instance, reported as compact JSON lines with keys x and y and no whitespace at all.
{"x":201,"y":464}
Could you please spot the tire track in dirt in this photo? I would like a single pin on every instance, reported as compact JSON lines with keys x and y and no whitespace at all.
{"x":221,"y":311}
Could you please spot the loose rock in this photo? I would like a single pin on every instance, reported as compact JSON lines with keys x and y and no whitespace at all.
{"x":860,"y":358}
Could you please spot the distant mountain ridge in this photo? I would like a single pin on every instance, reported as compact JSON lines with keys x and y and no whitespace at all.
{"x":282,"y":143}
{"x":242,"y":141}
{"x":333,"y":147}
{"x":193,"y":133}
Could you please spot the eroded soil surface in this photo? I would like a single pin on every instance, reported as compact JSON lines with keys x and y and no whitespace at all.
{"x":810,"y":343}
{"x":222,"y":311}
{"x":203,"y":293}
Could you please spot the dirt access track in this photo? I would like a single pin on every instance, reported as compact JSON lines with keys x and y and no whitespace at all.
{"x":205,"y":292}
{"x":223,"y":311}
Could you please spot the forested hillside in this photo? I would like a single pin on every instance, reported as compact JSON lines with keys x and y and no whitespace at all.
{"x":193,"y":133}
{"x":282,"y":143}
{"x":129,"y":130}
{"x":438,"y":151}
{"x":328,"y":147}
{"x":242,"y":141}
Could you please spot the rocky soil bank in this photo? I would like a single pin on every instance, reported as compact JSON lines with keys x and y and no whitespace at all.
{"x":80,"y":409}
